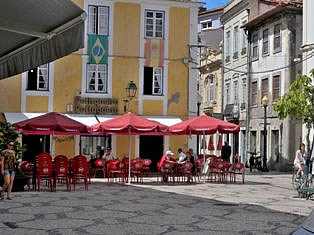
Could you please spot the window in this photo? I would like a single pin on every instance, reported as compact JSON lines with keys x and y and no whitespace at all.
{"x":211,"y":88}
{"x":228,"y":46}
{"x":243,"y":93}
{"x":98,"y":20}
{"x":97,"y":76}
{"x":153,"y":81}
{"x":38,"y":78}
{"x":277,"y":38}
{"x":255,"y":47}
{"x":154,"y":24}
{"x":235,"y":42}
{"x":235,"y":92}
{"x":206,"y":24}
{"x":253,"y":141}
{"x":244,"y":40}
{"x":276,"y":88}
{"x":90,"y":145}
{"x":264,"y":88}
{"x":254,"y":93}
{"x":265,"y":42}
{"x":228,"y":93}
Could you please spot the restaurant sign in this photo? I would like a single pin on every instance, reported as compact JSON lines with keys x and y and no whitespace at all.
{"x":88,"y":105}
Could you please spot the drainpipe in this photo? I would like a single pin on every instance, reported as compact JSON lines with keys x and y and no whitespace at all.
{"x":222,"y":73}
{"x":248,"y":80}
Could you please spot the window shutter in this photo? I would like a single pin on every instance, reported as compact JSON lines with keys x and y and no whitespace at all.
{"x":92,"y":16}
{"x":103,"y":15}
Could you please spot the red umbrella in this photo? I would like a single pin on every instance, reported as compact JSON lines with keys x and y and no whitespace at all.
{"x":51,"y":124}
{"x":211,"y":146}
{"x":203,"y":125}
{"x":130,"y":124}
{"x":219,"y":145}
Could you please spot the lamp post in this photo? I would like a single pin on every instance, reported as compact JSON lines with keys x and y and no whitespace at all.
{"x":265,"y":104}
{"x":130,"y":94}
{"x":198,"y":113}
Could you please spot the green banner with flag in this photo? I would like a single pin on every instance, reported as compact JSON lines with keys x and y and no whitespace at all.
{"x":98,"y":49}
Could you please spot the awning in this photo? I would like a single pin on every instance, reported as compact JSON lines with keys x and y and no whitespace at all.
{"x":36,"y":32}
{"x":88,"y":119}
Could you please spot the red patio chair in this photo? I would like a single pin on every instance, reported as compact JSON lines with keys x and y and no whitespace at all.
{"x":28,"y":170}
{"x":80,"y":170}
{"x":169,"y":168}
{"x":187,"y":171}
{"x":100,"y":166}
{"x":62,"y":171}
{"x":137,"y":170}
{"x":237,"y":169}
{"x":146,"y":165}
{"x":116,"y":170}
{"x":44,"y":171}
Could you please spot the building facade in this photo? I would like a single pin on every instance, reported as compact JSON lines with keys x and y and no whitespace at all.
{"x":275,"y":39}
{"x":308,"y":47}
{"x":142,"y":41}
{"x":210,"y":38}
{"x":235,"y":60}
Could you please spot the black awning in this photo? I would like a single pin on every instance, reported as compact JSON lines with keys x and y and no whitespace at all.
{"x":36,"y":32}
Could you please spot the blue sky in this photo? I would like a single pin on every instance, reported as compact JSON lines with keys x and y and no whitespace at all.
{"x":214,"y":3}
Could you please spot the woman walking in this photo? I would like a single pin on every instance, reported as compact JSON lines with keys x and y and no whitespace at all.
{"x":8,"y":159}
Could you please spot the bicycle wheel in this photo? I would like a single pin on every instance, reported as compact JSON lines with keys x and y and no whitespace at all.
{"x":295,"y":181}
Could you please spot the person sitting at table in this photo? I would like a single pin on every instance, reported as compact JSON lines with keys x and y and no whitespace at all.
{"x":108,"y":155}
{"x":165,"y":171}
{"x":182,"y":156}
{"x":190,"y":158}
{"x":193,"y":154}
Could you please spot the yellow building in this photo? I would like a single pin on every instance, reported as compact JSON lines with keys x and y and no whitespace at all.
{"x":143,"y":41}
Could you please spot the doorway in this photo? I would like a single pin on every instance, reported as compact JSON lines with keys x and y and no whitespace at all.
{"x":35,"y":144}
{"x":152,"y":147}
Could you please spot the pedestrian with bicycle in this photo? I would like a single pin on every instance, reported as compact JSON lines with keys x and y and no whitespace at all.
{"x":299,"y":160}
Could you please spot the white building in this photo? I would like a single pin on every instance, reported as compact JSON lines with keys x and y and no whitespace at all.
{"x":234,"y":71}
{"x":308,"y":42}
{"x":275,"y":38}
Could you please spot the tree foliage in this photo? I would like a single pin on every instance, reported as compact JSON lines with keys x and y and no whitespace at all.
{"x":8,"y":134}
{"x":298,"y":102}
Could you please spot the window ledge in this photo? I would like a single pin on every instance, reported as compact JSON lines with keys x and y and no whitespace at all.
{"x":37,"y":92}
{"x":153,"y":97}
{"x":277,"y":51}
{"x":95,"y":95}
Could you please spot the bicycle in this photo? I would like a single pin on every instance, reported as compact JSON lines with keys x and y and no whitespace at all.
{"x":255,"y":161}
{"x":303,"y":183}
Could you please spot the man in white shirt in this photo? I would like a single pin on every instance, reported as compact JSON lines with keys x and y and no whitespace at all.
{"x":108,"y":155}
{"x":182,"y":156}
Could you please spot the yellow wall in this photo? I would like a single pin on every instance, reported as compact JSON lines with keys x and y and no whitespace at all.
{"x":65,"y":145}
{"x":122,"y":149}
{"x":10,"y":94}
{"x":37,"y":104}
{"x":177,"y":89}
{"x":152,"y":107}
{"x":123,"y":71}
{"x":126,"y":29}
{"x":179,"y":35}
{"x":80,"y":3}
{"x":176,"y":142}
{"x":67,"y":81}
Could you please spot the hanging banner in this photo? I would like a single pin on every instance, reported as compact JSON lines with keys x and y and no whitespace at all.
{"x":154,"y":52}
{"x":98,"y":49}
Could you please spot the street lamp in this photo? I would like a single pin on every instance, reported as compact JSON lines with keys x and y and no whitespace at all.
{"x":265,"y":104}
{"x":199,"y":102}
{"x":130,"y":94}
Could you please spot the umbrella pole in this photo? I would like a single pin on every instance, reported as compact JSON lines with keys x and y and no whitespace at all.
{"x":204,"y":161}
{"x":129,"y":175}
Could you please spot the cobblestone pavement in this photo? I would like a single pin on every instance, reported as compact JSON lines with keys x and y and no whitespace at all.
{"x":157,"y":209}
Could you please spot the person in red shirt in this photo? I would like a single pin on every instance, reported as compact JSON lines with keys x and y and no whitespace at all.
{"x":165,"y":171}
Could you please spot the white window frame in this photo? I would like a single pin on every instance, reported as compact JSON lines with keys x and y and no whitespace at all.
{"x":228,"y":46}
{"x":43,"y":68}
{"x":265,"y":48}
{"x":244,"y":38}
{"x":228,"y":95}
{"x":255,"y":45}
{"x":235,"y":40}
{"x":244,"y":91}
{"x":206,"y":22}
{"x":157,"y":74}
{"x":99,"y":15}
{"x":276,"y":36}
{"x":235,"y":92}
{"x":97,"y":71}
{"x":154,"y":19}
